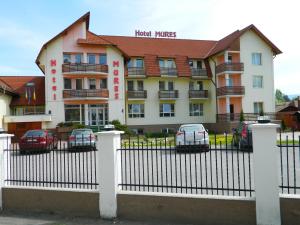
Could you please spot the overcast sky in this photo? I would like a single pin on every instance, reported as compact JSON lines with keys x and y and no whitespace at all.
{"x":26,"y":25}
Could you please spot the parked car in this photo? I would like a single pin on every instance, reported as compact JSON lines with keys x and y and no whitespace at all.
{"x":82,"y":139}
{"x":192,"y":137}
{"x":37,"y":140}
{"x":242,"y":135}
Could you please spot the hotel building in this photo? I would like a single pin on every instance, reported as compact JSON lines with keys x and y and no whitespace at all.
{"x":154,"y":84}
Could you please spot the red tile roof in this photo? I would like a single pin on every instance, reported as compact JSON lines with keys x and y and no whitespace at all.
{"x":6,"y":89}
{"x":18,"y":86}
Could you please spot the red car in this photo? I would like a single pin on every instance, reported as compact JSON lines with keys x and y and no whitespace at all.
{"x":34,"y":140}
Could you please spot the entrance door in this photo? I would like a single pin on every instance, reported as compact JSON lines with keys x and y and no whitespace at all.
{"x":231,"y":112}
{"x":97,"y":116}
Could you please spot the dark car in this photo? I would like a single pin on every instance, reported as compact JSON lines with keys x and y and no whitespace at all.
{"x":242,"y":135}
{"x":37,"y":140}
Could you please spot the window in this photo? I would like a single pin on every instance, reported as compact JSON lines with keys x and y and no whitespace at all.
{"x":92,"y":84}
{"x":129,"y":64}
{"x":161,"y":85}
{"x":196,"y":109}
{"x":78,"y":84}
{"x":136,"y":111}
{"x":103,"y":84}
{"x":191,"y":85}
{"x":67,"y":58}
{"x":257,"y":81}
{"x":229,"y":59}
{"x":191,"y":63}
{"x":78,"y":58}
{"x":199,"y":64}
{"x":67,"y":83}
{"x":130,"y":86}
{"x":91,"y":58}
{"x":258,"y":107}
{"x":229,"y":82}
{"x":72,"y":113}
{"x":170,"y":63}
{"x":166,"y":110}
{"x":161,"y":63}
{"x":171,"y":86}
{"x":102,"y":59}
{"x":140,"y":85}
{"x":139,"y":63}
{"x":256,"y":58}
{"x":199,"y":85}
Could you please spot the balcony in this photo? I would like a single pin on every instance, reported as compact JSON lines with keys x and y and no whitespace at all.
{"x":165,"y":94}
{"x":86,"y":93}
{"x":168,"y":71}
{"x":136,"y":71}
{"x":198,"y":73}
{"x":230,"y":67}
{"x":137,"y":94}
{"x":84,"y":68}
{"x":231,"y":90}
{"x":198,"y":94}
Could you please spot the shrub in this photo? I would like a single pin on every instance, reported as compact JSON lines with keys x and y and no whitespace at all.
{"x":242,"y":118}
{"x":122,"y":127}
{"x":283,"y":126}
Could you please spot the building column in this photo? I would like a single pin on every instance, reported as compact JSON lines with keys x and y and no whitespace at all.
{"x":226,"y":56}
{"x":86,"y":114}
{"x":85,"y":83}
{"x":84,"y":60}
{"x":227,"y":104}
{"x":226,"y":79}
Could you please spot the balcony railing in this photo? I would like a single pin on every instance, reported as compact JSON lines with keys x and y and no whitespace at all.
{"x":168,"y":94}
{"x":86,"y":93}
{"x":247,"y":116}
{"x":84,"y":67}
{"x":197,"y":72}
{"x":24,"y":111}
{"x":136,"y":71}
{"x":231,"y":90}
{"x":137,"y":94}
{"x":198,"y":93}
{"x":169,"y":71}
{"x":230,"y":67}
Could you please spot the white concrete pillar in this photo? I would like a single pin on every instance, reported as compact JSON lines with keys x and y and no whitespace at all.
{"x":109,"y":172}
{"x":86,"y":114}
{"x":265,"y":166}
{"x":5,"y":140}
{"x":85,"y":83}
{"x":84,"y":60}
{"x":227,"y":104}
{"x":226,"y":56}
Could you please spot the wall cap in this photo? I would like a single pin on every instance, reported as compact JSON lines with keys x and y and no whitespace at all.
{"x":264,"y":126}
{"x":6,"y":135}
{"x":107,"y":133}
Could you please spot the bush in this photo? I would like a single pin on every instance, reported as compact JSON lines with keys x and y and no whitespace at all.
{"x":155,"y":135}
{"x":122,"y":127}
{"x":283,"y":126}
{"x":242,"y":118}
{"x":65,"y":124}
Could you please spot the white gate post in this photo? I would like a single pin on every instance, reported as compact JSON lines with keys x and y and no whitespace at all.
{"x":266,"y":173}
{"x":5,"y":140}
{"x":108,"y":172}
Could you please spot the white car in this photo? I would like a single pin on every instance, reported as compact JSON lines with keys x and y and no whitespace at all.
{"x":192,"y":136}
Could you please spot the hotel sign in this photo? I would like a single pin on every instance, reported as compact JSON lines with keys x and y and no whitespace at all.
{"x":116,"y":79}
{"x":53,"y":78}
{"x":156,"y":34}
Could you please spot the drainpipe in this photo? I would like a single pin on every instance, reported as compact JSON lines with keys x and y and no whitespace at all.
{"x":215,"y":84}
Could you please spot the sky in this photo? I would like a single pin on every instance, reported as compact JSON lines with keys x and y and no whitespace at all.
{"x":26,"y":25}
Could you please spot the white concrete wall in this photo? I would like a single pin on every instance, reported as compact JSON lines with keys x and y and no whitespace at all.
{"x":54,"y":51}
{"x":4,"y":108}
{"x":116,"y":107}
{"x":251,"y":43}
{"x":182,"y":114}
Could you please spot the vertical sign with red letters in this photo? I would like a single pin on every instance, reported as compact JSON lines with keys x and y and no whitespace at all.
{"x":53,"y":78}
{"x":116,"y":79}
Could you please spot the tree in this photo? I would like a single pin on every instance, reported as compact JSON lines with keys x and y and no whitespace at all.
{"x":281,"y":97}
{"x":242,"y":118}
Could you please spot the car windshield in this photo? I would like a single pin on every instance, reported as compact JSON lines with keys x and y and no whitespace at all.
{"x":35,"y":133}
{"x":191,"y":128}
{"x":82,"y":132}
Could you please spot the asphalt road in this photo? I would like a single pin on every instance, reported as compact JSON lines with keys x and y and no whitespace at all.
{"x":164,"y":170}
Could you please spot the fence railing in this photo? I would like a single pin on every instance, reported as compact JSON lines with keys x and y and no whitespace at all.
{"x":168,"y":94}
{"x":137,"y":94}
{"x":231,"y":90}
{"x":169,"y":71}
{"x":247,"y":116}
{"x":84,"y":67}
{"x":198,"y":93}
{"x":197,"y":72}
{"x":60,"y":165}
{"x":195,"y":167}
{"x":229,"y":66}
{"x":135,"y":71}
{"x":289,"y":156}
{"x":86,"y":93}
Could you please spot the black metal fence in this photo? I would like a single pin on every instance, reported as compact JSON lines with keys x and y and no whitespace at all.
{"x":60,"y":165}
{"x":289,"y":157}
{"x":159,"y":165}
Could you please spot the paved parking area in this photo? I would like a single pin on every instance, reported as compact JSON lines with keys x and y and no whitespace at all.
{"x":9,"y":218}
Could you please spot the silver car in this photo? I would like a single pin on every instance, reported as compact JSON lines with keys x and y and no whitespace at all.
{"x":192,"y":137}
{"x":82,"y":139}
